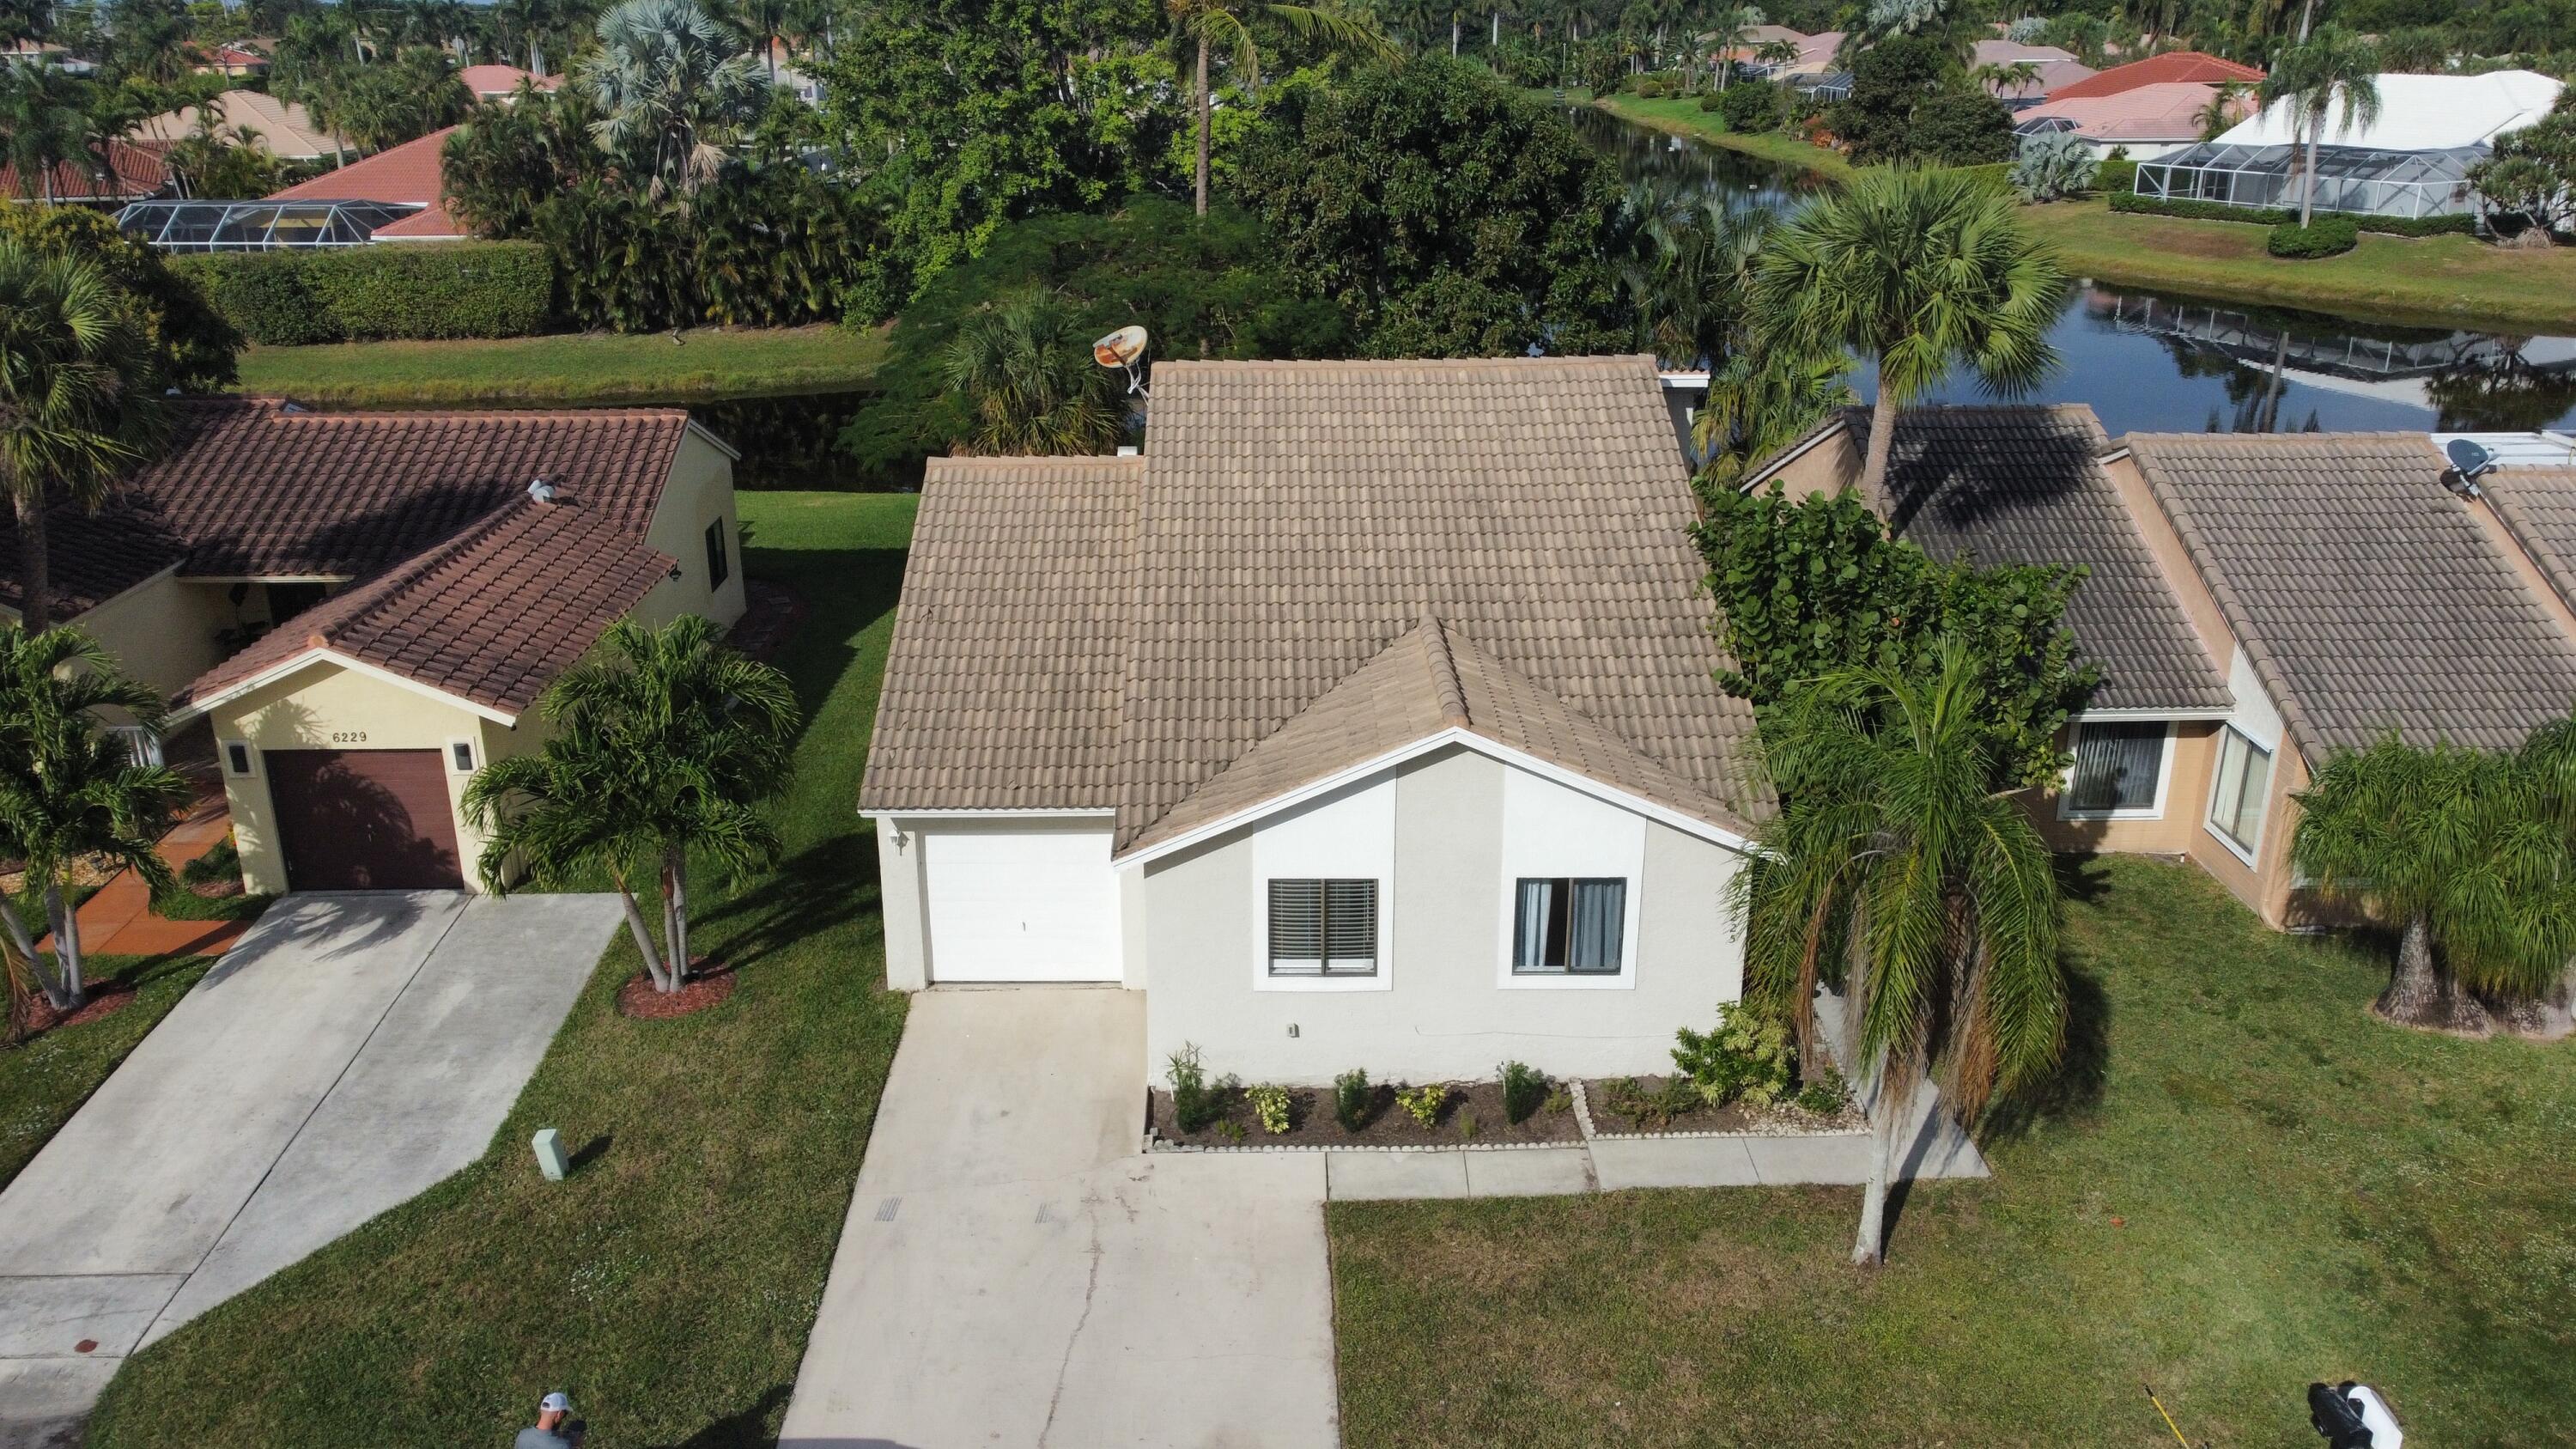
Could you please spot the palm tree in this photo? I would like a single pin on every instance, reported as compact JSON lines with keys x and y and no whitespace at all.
{"x":1922,"y":271}
{"x":70,"y":790}
{"x":1760,"y":403}
{"x":41,"y":126}
{"x":1776,"y":53}
{"x":1895,"y":854}
{"x":1207,"y":23}
{"x":1728,"y":34}
{"x":2007,"y":79}
{"x":2330,"y":69}
{"x":80,"y":399}
{"x":2221,"y":112}
{"x":1023,"y":367}
{"x":760,"y":22}
{"x":2465,"y":852}
{"x":671,"y":90}
{"x":664,"y":741}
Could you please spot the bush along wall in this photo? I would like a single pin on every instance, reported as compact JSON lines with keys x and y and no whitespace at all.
{"x":388,"y":292}
{"x":2459,"y":223}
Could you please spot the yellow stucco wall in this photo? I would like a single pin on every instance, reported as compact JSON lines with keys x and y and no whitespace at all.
{"x":699,"y":493}
{"x":2173,"y":832}
{"x":329,"y":707}
{"x":162,"y":631}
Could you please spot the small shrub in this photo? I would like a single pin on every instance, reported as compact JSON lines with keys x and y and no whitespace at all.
{"x":1351,"y":1099}
{"x":1708,"y":101}
{"x":1423,"y":1103}
{"x":1230,"y":1130}
{"x":1467,"y":1125}
{"x":1270,"y":1104}
{"x":220,"y":862}
{"x":1560,"y":1100}
{"x":2327,"y":236}
{"x":2053,"y":167}
{"x":1524,"y":1087}
{"x":1752,"y":106}
{"x":1826,"y":1094}
{"x":1747,"y":1058}
{"x":1194,"y":1103}
{"x":1627,"y":1097}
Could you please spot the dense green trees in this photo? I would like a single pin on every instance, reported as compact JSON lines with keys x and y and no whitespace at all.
{"x":1911,"y":101}
{"x":672,"y":93}
{"x":1450,"y":216}
{"x":195,"y":346}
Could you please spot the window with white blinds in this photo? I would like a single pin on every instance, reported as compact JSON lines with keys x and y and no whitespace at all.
{"x":1323,"y":928}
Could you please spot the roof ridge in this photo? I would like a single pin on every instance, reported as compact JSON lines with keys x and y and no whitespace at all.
{"x":1444,"y":673}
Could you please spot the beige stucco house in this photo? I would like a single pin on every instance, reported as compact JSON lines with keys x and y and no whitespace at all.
{"x":363,"y":608}
{"x":2255,"y":601}
{"x":1369,"y":718}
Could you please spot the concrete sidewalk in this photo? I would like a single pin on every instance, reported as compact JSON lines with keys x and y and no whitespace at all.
{"x":351,"y":1051}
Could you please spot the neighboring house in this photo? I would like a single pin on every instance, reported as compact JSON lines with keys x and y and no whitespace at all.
{"x":2057,"y":67}
{"x":35,"y":52}
{"x":2413,"y":161}
{"x":501,"y":82}
{"x":128,"y":172}
{"x":2334,"y":588}
{"x":284,"y":129}
{"x":229,"y":59}
{"x":2147,"y":122}
{"x":1368,"y":719}
{"x":412,"y":176}
{"x":2188,"y":66}
{"x":365,"y":607}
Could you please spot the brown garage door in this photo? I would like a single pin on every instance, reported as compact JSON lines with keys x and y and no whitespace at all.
{"x":360,"y":820}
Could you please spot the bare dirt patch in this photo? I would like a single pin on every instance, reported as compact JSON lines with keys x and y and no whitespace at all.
{"x":707,"y":986}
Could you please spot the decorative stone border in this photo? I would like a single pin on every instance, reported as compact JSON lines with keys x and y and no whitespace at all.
{"x":1586,"y":1132}
{"x":1154,"y":1143}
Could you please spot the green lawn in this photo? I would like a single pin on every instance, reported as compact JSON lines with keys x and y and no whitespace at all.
{"x":669,"y":1285}
{"x":1683,"y":117}
{"x":2441,"y":280}
{"x":2243,"y":1184}
{"x":586,"y":367}
{"x":44,"y":1081}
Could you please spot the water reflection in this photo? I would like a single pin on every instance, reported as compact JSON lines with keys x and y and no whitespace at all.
{"x":2157,"y":362}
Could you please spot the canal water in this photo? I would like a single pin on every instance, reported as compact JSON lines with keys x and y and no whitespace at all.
{"x":2157,"y":362}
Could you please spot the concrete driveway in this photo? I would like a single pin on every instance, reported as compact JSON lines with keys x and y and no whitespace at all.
{"x":1015,"y":1272}
{"x":351,"y":1051}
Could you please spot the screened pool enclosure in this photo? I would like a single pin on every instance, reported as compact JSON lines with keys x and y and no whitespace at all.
{"x":257,"y":226}
{"x":2357,"y":179}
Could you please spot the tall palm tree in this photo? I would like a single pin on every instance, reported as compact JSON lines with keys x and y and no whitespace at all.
{"x":760,"y":23}
{"x":41,"y":126}
{"x":1895,"y":855}
{"x":665,"y":741}
{"x":1209,"y":23}
{"x":2007,"y":78}
{"x":2331,"y":70}
{"x":1023,"y":367}
{"x":2466,"y":852}
{"x":1759,"y":403}
{"x":672,"y":91}
{"x":1728,"y":33}
{"x":1922,"y":271}
{"x":2221,"y":111}
{"x":70,"y":790}
{"x":80,"y":399}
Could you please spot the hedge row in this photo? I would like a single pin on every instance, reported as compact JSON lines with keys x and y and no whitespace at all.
{"x":2460,"y":223}
{"x":1995,"y":176}
{"x":390,"y":291}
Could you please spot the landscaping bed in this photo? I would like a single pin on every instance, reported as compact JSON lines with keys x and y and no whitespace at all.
{"x":1470,"y":1115}
{"x":1656,"y":1107}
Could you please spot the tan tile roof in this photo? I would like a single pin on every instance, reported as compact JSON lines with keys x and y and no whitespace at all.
{"x":285,"y":128}
{"x":491,"y":615}
{"x":2024,"y":485}
{"x":2367,"y":598}
{"x":2539,"y":506}
{"x":1010,"y":651}
{"x":1292,"y":520}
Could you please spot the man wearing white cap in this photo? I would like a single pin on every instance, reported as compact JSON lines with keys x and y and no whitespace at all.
{"x":551,"y":1430}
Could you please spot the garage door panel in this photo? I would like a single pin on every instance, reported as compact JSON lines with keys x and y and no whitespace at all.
{"x":354,"y":820}
{"x":1021,"y":906}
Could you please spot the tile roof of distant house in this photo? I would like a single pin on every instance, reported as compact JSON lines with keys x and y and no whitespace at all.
{"x":2173,"y":65}
{"x":1290,"y":522}
{"x":2025,"y":485}
{"x":2538,"y":505}
{"x":492,"y":614}
{"x":411,"y":174}
{"x":2057,"y":68}
{"x":285,"y":128}
{"x":2167,"y":111}
{"x":134,"y":172}
{"x":2366,"y":596}
{"x":504,"y":80}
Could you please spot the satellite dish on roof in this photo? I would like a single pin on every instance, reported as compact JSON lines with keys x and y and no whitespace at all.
{"x":2469,"y":457}
{"x":1124,"y":348}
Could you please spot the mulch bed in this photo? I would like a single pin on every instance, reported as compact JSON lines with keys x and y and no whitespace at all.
{"x":216,"y":890}
{"x":1472,"y":1114}
{"x":707,"y":986}
{"x":103,"y":1001}
{"x":1607,"y":1100}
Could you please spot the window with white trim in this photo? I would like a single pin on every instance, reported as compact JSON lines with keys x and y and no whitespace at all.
{"x":1569,"y":925}
{"x":2119,"y":769}
{"x":2243,"y":787}
{"x":1323,"y":928}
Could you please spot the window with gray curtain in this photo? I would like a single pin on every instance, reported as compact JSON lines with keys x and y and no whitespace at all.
{"x":2117,"y":767}
{"x":1323,"y":928}
{"x":1565,"y":925}
{"x":2243,"y":787}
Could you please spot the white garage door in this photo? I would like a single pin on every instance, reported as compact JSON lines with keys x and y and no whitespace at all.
{"x":1033,"y":906}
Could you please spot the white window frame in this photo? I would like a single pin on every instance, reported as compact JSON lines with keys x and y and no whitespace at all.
{"x":1346,"y":834}
{"x":1551,"y":830}
{"x":2252,"y":850}
{"x":2164,"y":777}
{"x":1323,"y":971}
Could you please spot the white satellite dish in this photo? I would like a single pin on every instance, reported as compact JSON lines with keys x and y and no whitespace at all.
{"x":1124,"y":348}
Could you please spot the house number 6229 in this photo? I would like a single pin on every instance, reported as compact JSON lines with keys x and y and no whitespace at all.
{"x":349,"y":737}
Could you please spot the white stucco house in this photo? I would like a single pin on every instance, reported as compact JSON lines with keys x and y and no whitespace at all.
{"x":1367,"y":719}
